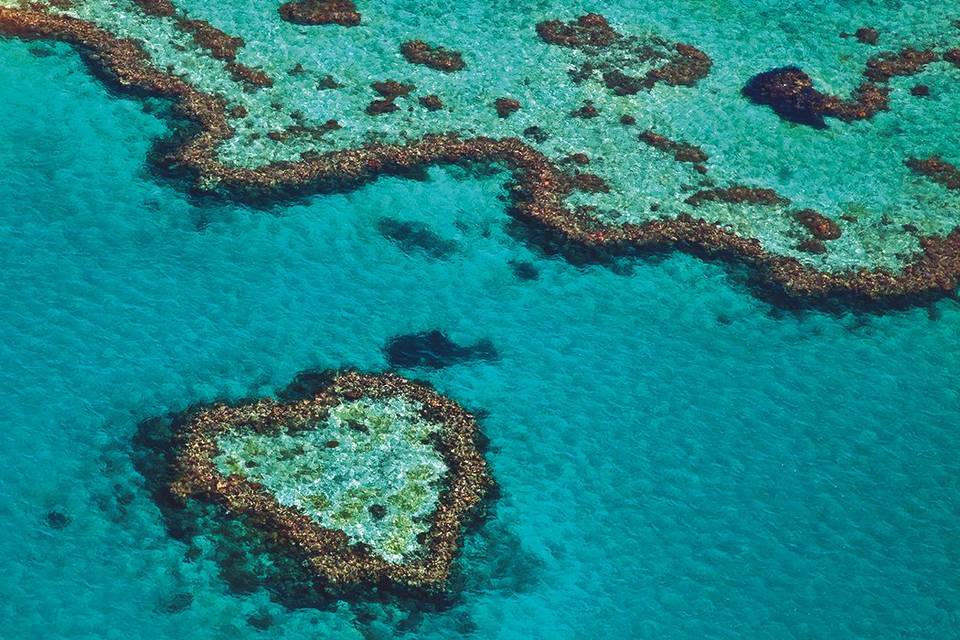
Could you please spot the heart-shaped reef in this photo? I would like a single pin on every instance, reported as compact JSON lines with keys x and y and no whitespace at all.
{"x":367,"y":479}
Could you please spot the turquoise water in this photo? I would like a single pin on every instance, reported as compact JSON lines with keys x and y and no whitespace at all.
{"x":677,"y":459}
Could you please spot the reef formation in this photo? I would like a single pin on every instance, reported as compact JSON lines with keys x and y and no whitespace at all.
{"x":257,"y":131}
{"x":368,"y":479}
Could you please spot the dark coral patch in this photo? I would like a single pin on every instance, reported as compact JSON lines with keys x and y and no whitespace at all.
{"x":57,"y":520}
{"x":431,"y":102}
{"x":684,"y":68}
{"x":524,"y":270}
{"x":439,"y":58}
{"x":392,"y":89}
{"x":937,"y":169}
{"x":822,"y":227}
{"x":251,"y":78}
{"x":812,"y":245}
{"x":536,"y":134}
{"x":953,"y":57}
{"x":379,"y":107}
{"x":587,"y":111}
{"x":790,"y":93}
{"x":626,"y":64}
{"x":589,"y":183}
{"x":317,"y":12}
{"x":434,"y":350}
{"x":591,"y":30}
{"x":506,"y":106}
{"x":867,"y":35}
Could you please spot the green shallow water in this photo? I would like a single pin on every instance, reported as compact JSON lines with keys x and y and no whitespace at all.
{"x":677,"y":459}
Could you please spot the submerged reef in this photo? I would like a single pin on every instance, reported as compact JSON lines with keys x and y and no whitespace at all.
{"x":435,"y":350}
{"x":439,"y":58}
{"x":789,"y":91}
{"x":367,"y":480}
{"x":314,"y":12}
{"x":269,"y":121}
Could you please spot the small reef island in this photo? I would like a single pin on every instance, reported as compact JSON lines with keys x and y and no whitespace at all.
{"x":367,"y":480}
{"x":829,"y":172}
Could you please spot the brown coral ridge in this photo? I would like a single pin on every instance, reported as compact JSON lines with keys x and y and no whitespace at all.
{"x":319,"y":12}
{"x":790,"y":93}
{"x":328,"y":552}
{"x":221,"y":45}
{"x":937,"y":169}
{"x":439,"y":58}
{"x":906,"y":62}
{"x":539,"y":192}
{"x":682,"y":151}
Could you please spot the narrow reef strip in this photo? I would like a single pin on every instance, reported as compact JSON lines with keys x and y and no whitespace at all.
{"x":329,"y":552}
{"x":681,"y":151}
{"x":539,"y":191}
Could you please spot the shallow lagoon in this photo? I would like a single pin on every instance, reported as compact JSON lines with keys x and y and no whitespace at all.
{"x":677,"y":459}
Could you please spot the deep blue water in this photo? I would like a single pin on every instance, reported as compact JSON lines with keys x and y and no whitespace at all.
{"x":677,"y":458}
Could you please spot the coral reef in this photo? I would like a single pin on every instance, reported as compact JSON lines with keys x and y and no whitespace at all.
{"x":681,"y":151}
{"x":221,"y":45}
{"x":790,"y":93}
{"x":317,"y":12}
{"x":937,"y":170}
{"x":368,"y":479}
{"x":627,"y":65}
{"x":543,"y":194}
{"x":506,"y":106}
{"x":439,"y":58}
{"x":906,"y":62}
